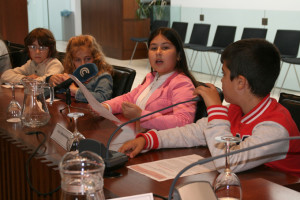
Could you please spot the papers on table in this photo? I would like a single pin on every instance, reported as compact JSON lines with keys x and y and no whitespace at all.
{"x":96,"y":105}
{"x":166,"y":169}
{"x":147,"y":196}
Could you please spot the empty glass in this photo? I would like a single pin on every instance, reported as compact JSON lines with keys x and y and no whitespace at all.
{"x":72,"y":143}
{"x":13,"y":113}
{"x":227,"y":185}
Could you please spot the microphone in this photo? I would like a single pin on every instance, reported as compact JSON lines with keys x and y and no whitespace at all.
{"x":82,"y":73}
{"x":114,"y":159}
{"x":206,"y":160}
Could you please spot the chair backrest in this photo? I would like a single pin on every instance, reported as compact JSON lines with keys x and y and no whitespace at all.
{"x":181,"y":28}
{"x":200,"y":34}
{"x":224,"y":36}
{"x":292,"y":103}
{"x":287,"y":42}
{"x":158,"y":23}
{"x":201,"y":110}
{"x":123,"y":78}
{"x":254,"y":33}
{"x":17,"y":54}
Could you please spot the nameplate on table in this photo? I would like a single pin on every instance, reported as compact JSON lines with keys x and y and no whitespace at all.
{"x":61,"y":135}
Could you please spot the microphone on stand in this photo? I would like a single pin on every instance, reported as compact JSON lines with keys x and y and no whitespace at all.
{"x":206,"y":160}
{"x":114,"y":159}
{"x":82,"y":73}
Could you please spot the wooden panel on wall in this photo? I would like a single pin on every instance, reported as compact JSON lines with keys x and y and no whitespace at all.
{"x":104,"y":20}
{"x":14,"y":20}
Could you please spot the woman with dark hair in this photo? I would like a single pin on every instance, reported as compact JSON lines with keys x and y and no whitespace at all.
{"x":41,"y":47}
{"x":168,"y":83}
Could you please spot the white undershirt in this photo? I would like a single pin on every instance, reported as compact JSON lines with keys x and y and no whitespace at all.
{"x":145,"y":95}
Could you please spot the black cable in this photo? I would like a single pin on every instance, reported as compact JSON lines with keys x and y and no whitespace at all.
{"x":158,"y":196}
{"x":28,"y":162}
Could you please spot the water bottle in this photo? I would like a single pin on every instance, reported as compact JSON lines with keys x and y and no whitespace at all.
{"x":81,"y":176}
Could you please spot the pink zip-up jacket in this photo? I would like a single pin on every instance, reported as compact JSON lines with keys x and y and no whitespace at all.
{"x":176,"y":88}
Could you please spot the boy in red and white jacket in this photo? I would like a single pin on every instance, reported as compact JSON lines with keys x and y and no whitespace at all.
{"x":250,"y":69}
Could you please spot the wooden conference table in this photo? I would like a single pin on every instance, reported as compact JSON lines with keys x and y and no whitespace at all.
{"x":15,"y":147}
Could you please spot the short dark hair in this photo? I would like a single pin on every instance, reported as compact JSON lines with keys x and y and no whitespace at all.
{"x":174,"y":38}
{"x":257,"y":60}
{"x":44,"y":37}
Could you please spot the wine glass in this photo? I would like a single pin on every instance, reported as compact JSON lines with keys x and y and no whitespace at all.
{"x":13,"y":113}
{"x":227,"y":185}
{"x":73,"y":141}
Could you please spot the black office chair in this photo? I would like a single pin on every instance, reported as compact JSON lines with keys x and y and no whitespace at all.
{"x":287,"y":42}
{"x":201,"y":110}
{"x":123,"y":78}
{"x":223,"y":37}
{"x":254,"y":33}
{"x":156,"y":24}
{"x":199,"y":37}
{"x":181,"y":28}
{"x":18,"y":55}
{"x":292,"y":103}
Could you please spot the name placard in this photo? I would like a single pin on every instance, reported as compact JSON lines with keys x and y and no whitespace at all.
{"x":61,"y":135}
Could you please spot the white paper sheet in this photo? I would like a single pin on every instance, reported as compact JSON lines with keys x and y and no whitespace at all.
{"x":166,"y":169}
{"x":96,"y":105}
{"x":147,"y":196}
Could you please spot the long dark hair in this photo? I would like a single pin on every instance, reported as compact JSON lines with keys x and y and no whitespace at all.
{"x":174,"y":38}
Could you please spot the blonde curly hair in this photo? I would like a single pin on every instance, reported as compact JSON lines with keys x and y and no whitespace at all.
{"x":77,"y":42}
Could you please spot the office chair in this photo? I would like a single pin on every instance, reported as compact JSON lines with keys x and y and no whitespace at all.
{"x":123,"y":78}
{"x":292,"y":103}
{"x":18,"y":55}
{"x":156,"y":24}
{"x":181,"y":28}
{"x":287,"y":42}
{"x":199,"y":37}
{"x":201,"y":110}
{"x":223,"y":37}
{"x":254,"y":33}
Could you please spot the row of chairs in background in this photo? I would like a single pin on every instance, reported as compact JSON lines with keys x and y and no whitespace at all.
{"x":287,"y":42}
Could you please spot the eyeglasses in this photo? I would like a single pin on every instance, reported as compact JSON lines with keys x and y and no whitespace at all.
{"x":41,"y":48}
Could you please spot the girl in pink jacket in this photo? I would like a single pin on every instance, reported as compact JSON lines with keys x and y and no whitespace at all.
{"x":168,"y":83}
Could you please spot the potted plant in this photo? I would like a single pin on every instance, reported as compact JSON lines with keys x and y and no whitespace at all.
{"x":144,"y":9}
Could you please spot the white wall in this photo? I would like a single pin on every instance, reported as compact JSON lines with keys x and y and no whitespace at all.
{"x":240,"y":13}
{"x":241,"y":4}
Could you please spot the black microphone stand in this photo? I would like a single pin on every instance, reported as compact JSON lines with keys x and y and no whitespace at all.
{"x":69,"y":101}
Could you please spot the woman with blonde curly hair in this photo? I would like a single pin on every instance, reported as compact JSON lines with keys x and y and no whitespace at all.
{"x":81,"y":50}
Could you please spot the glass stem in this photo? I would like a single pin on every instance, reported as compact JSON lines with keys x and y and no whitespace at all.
{"x":227,"y":157}
{"x":75,"y":128}
{"x":13,"y":91}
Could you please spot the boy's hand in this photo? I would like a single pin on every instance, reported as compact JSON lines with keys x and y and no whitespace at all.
{"x":209,"y":94}
{"x":33,"y":76}
{"x":73,"y":89}
{"x":131,"y":110}
{"x":133,"y":147}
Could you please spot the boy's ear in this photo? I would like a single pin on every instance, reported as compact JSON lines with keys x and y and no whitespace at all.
{"x":242,"y":82}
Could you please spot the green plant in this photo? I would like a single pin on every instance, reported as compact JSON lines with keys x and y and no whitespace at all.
{"x":143,"y":10}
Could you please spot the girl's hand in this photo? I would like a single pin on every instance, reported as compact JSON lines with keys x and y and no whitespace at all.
{"x":58,"y":79}
{"x":209,"y":94}
{"x":133,"y":147}
{"x":73,"y":89}
{"x":131,"y":110}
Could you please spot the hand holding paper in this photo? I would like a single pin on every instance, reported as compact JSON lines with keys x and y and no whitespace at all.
{"x":96,"y":105}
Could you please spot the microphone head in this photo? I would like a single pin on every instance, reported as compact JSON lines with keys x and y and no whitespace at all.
{"x":85,"y":72}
